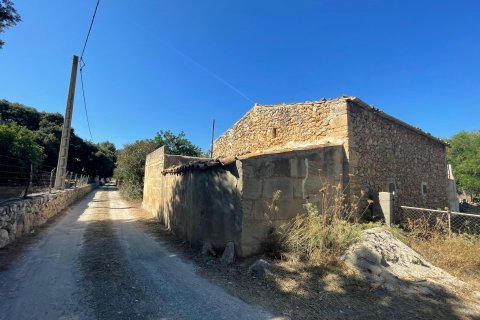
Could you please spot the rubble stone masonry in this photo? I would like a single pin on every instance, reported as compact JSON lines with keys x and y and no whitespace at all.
{"x":386,"y":154}
{"x":269,"y":127}
{"x":19,"y":217}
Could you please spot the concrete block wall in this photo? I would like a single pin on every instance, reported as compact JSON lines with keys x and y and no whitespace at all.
{"x":230,"y":202}
{"x":199,"y":206}
{"x":298,"y":175}
{"x":19,"y":217}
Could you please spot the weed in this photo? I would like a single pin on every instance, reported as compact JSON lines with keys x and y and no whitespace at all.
{"x":320,"y":235}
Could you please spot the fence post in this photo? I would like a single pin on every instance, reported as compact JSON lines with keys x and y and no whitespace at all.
{"x":449,"y":213}
{"x":386,"y":205}
{"x":51,"y":180}
{"x":30,"y":176}
{"x":75,"y":181}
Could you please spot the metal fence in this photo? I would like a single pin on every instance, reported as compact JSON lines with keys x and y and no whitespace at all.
{"x":426,"y":220}
{"x":20,"y":179}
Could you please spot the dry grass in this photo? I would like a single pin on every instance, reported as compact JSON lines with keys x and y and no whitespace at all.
{"x":458,"y":254}
{"x":321,"y":235}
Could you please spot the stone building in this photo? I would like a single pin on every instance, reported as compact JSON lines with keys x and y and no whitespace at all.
{"x":382,"y":152}
{"x":296,"y":149}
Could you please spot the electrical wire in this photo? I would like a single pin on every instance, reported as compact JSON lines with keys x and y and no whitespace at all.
{"x":82,"y":65}
{"x":89,"y":29}
{"x":84,"y":99}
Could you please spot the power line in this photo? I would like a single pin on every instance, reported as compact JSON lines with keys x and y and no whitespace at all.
{"x":90,"y":29}
{"x":82,"y":65}
{"x":84,"y":100}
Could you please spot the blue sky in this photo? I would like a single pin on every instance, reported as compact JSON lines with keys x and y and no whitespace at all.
{"x":154,"y":65}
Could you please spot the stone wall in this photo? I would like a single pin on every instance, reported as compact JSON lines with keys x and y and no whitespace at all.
{"x":19,"y":217}
{"x":387,"y":153}
{"x":270,"y":127}
{"x":382,"y":151}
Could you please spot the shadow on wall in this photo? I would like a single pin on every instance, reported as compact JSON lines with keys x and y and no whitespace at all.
{"x":203,"y":206}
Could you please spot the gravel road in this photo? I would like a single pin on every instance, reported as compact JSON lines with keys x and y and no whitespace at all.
{"x":96,"y":262}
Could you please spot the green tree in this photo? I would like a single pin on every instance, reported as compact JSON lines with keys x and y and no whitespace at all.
{"x":106,"y":158}
{"x":130,"y":168}
{"x":8,"y":17}
{"x":464,"y":155}
{"x":177,"y":144}
{"x":22,"y":115}
{"x":18,"y":144}
{"x":83,"y":157}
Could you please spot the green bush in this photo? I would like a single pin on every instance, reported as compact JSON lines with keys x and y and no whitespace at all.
{"x":130,"y":168}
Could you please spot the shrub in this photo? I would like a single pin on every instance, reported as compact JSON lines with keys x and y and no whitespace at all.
{"x":131,"y":167}
{"x":322,"y":233}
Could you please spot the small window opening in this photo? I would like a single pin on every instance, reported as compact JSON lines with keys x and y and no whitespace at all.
{"x":274,"y":132}
{"x":424,"y":189}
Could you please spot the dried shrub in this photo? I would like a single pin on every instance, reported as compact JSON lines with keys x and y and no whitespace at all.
{"x":458,"y":254}
{"x":426,"y":227}
{"x":320,"y":235}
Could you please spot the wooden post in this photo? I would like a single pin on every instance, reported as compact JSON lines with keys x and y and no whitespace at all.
{"x":29,"y":184}
{"x":51,"y":180}
{"x":67,"y":127}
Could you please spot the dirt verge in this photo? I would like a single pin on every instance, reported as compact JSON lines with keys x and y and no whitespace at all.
{"x":299,"y":291}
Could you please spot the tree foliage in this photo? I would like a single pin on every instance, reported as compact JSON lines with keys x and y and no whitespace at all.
{"x":464,"y":155}
{"x":18,"y":146}
{"x":131,"y":167}
{"x":177,"y":144}
{"x":8,"y":16}
{"x":131,"y":159}
{"x":83,"y":157}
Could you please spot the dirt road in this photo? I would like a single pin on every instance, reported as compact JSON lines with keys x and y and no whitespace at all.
{"x":96,"y":262}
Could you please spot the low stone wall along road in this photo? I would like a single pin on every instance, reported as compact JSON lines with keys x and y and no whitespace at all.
{"x":96,"y":262}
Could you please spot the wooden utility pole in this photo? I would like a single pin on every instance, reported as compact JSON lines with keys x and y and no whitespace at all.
{"x":67,"y":128}
{"x":213,"y":134}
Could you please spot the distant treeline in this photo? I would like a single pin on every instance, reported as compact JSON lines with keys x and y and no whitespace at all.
{"x":30,"y":136}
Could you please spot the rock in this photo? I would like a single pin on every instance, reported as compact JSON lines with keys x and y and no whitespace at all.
{"x":259,"y":268}
{"x":228,"y":256}
{"x":4,"y":238}
{"x":207,"y":249}
{"x":384,"y":260}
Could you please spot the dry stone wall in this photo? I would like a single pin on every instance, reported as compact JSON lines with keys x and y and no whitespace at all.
{"x":386,"y":153}
{"x":270,"y":127}
{"x":19,"y":217}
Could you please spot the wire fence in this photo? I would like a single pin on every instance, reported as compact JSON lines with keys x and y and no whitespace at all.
{"x":19,"y":178}
{"x":427,"y":220}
